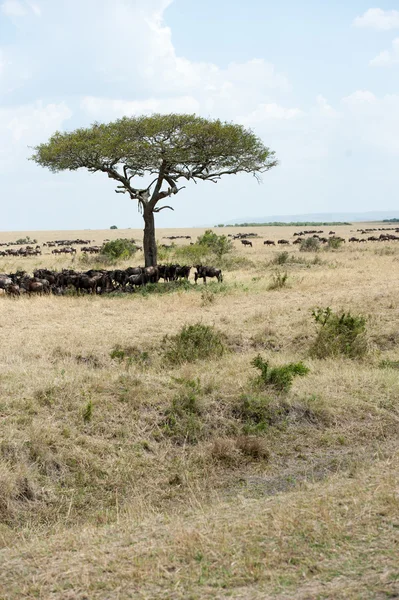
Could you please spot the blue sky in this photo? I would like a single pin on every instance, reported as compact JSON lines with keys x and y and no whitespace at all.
{"x":317,"y":81}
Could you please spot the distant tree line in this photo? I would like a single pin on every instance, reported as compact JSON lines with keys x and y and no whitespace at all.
{"x":291,"y":224}
{"x":391,"y":221}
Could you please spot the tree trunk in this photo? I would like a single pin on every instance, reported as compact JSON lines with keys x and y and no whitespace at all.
{"x":149,"y":243}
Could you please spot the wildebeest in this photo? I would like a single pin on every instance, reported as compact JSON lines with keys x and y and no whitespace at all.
{"x":283,"y":242}
{"x":246,"y":243}
{"x":203,"y":272}
{"x":269,"y":243}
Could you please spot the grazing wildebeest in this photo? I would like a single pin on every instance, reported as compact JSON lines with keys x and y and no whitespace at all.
{"x":13,"y":290}
{"x":203,"y":272}
{"x":246,"y":243}
{"x":5,"y":280}
{"x":269,"y":243}
{"x":183,"y":272}
{"x":283,"y":242}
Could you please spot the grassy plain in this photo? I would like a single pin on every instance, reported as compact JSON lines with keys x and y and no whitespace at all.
{"x":104,"y":495}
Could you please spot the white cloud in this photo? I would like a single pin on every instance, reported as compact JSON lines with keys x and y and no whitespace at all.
{"x":361,"y":97}
{"x":13,"y":8}
{"x":19,"y":8}
{"x":25,"y":126}
{"x":372,"y":121}
{"x":110,"y":108}
{"x":376,"y":18}
{"x":270,"y":112}
{"x":388,"y":57}
{"x":324,"y":108}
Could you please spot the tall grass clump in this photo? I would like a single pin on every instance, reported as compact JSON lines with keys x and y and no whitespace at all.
{"x":183,"y":421}
{"x":310,"y":245}
{"x":281,"y":258}
{"x":279,"y":280}
{"x":193,"y":342}
{"x":339,"y":334}
{"x":334,"y":243}
{"x":278,"y":378}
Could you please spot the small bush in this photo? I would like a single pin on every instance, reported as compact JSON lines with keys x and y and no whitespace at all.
{"x":334,"y":243}
{"x":131,"y":355}
{"x":389,"y":364}
{"x":183,"y":421}
{"x":253,"y":447}
{"x":194,"y":342}
{"x":281,"y":258}
{"x":120,"y":248}
{"x":113,"y":227}
{"x":279,"y":378}
{"x":339,"y":334}
{"x":279,"y":280}
{"x":218,"y":244}
{"x":88,"y":412}
{"x":258,"y":413}
{"x":310,"y":245}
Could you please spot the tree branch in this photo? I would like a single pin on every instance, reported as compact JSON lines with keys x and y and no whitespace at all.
{"x":156,"y":210}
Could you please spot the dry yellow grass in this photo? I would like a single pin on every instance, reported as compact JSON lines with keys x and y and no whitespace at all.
{"x":312,"y":515}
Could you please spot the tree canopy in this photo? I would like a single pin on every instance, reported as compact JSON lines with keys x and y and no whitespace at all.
{"x":166,"y":148}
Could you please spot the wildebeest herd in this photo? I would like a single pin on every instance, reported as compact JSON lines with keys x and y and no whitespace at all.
{"x":94,"y":281}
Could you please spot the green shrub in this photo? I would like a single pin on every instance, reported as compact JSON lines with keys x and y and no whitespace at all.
{"x":113,"y":227}
{"x":281,"y":258}
{"x":217,"y":244}
{"x":194,"y":342}
{"x":339,"y":334}
{"x":389,"y":364}
{"x":130,"y":354}
{"x":310,"y":245}
{"x":183,"y":421}
{"x":279,"y":280}
{"x":88,"y":412}
{"x":334,"y":243}
{"x":258,"y":413}
{"x":120,"y":248}
{"x":279,"y":378}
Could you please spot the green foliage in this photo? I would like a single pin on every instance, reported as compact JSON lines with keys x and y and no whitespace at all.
{"x":281,"y":258}
{"x":334,"y":243}
{"x":184,"y":142}
{"x":339,"y":334}
{"x":113,"y":227}
{"x":88,"y":412}
{"x":119,"y":249}
{"x":26,"y":240}
{"x":217,"y":244}
{"x":130,"y":354}
{"x":389,"y":364}
{"x":183,"y":419}
{"x":258,"y":412}
{"x":279,"y":378}
{"x":279,"y":280}
{"x":194,"y":342}
{"x":310,"y":245}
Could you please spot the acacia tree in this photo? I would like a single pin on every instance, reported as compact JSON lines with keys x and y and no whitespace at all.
{"x":164,"y":149}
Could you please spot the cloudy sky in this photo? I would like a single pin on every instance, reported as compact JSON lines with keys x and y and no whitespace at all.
{"x":317,"y":81}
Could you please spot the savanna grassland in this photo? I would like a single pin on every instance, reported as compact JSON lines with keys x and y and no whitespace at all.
{"x":132,"y":466}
